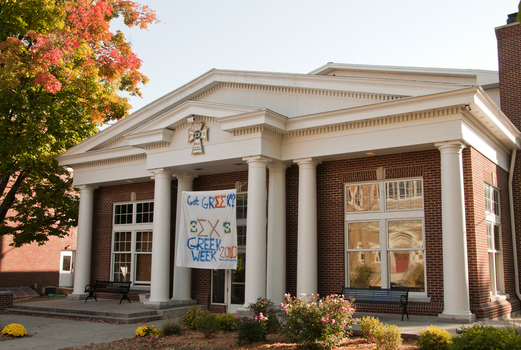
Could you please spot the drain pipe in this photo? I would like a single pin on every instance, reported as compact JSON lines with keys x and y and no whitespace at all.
{"x":513,"y":222}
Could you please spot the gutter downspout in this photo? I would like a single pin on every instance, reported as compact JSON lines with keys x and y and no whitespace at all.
{"x":513,"y":222}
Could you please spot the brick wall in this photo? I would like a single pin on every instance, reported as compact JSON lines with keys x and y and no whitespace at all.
{"x":330,"y":179}
{"x":104,"y":199}
{"x":509,"y":59}
{"x":32,"y":264}
{"x":479,"y":170}
{"x":6,"y":300}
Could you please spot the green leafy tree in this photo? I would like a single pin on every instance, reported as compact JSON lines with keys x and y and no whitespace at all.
{"x":60,"y":71}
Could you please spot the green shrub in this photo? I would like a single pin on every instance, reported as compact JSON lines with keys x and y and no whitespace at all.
{"x":228,"y":322}
{"x":367,"y":325}
{"x":317,"y":323}
{"x":189,"y":320}
{"x":208,"y":325}
{"x":434,"y":338}
{"x":387,"y":337}
{"x":261,"y":306}
{"x":172,"y":327}
{"x":251,"y":330}
{"x":483,"y":337}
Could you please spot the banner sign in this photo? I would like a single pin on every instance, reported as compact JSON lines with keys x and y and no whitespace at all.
{"x":208,"y":230}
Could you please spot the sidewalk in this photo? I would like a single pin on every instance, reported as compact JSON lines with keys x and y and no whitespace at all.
{"x":56,"y":333}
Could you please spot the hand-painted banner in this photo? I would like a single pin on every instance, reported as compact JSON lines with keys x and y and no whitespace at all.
{"x":208,"y":230}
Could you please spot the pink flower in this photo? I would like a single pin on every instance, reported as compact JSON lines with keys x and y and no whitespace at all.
{"x":343,"y":324}
{"x":323,"y":319}
{"x":333,"y":321}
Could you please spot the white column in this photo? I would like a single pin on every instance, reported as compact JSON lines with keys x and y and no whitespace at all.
{"x":276,"y":276}
{"x":455,"y":267}
{"x":159,"y":283}
{"x":307,"y":270}
{"x":182,"y":275}
{"x":83,"y":241}
{"x":256,"y":230}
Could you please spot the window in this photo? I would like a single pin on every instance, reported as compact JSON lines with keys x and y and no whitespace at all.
{"x":132,"y":242}
{"x":494,"y":245}
{"x":385,"y":220}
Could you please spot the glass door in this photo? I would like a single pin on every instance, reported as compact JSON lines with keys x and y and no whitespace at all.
{"x":228,"y":286}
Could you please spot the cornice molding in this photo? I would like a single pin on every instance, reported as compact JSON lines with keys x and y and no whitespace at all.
{"x":300,"y":91}
{"x":110,"y":161}
{"x":374,"y":122}
{"x":257,"y":129}
{"x":197,"y":118}
{"x":113,"y":143}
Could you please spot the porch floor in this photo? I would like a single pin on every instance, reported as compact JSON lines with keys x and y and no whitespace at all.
{"x":108,"y":310}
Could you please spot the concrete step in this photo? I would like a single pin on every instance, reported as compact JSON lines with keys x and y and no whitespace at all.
{"x":134,"y":316}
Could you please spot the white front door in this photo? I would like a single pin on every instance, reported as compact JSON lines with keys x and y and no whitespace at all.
{"x":228,"y":285}
{"x":66,"y":277}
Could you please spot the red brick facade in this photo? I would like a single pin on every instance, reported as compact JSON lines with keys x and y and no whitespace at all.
{"x":509,"y":59}
{"x":331,"y":177}
{"x":32,"y":264}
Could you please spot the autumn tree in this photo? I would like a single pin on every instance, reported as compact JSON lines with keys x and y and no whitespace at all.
{"x":61,"y":68}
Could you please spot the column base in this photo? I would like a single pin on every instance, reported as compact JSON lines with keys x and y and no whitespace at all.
{"x":157,"y":305}
{"x":81,"y":296}
{"x":459,"y":318}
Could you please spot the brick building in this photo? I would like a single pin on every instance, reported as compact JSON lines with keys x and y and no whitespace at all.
{"x":351,"y":175}
{"x":37,"y":266}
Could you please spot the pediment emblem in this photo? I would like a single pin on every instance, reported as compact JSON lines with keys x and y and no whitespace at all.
{"x":196,"y":134}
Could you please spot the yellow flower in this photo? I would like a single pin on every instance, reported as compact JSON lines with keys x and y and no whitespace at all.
{"x":145,"y":331}
{"x":14,"y":330}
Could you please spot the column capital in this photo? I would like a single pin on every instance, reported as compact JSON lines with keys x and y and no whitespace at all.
{"x":277,"y":166}
{"x":257,"y":159}
{"x":161,"y":172}
{"x":184,"y":176}
{"x":307,"y":161}
{"x":448,"y":146}
{"x":87,"y":187}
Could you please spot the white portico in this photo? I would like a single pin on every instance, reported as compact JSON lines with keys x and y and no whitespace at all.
{"x":262,"y":124}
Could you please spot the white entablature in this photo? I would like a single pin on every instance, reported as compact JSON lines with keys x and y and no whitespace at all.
{"x":291,"y":116}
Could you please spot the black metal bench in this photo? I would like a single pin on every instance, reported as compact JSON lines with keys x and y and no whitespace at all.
{"x":379,"y":296}
{"x":108,"y":287}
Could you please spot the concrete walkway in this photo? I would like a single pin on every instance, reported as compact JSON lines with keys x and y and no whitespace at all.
{"x":57,"y":333}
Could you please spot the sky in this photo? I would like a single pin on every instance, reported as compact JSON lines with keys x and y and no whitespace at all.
{"x":298,"y":36}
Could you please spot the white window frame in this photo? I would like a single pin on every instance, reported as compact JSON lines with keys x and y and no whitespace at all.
{"x":383,"y":216}
{"x":133,"y":228}
{"x":493,"y":220}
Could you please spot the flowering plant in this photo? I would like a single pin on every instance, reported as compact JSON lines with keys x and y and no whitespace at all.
{"x":317,"y":323}
{"x":14,"y":330}
{"x":147,"y":331}
{"x":253,"y":329}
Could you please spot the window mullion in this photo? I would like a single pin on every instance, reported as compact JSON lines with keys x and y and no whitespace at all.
{"x":133,"y":256}
{"x":385,"y":255}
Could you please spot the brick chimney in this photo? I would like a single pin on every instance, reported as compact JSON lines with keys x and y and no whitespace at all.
{"x":509,"y":59}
